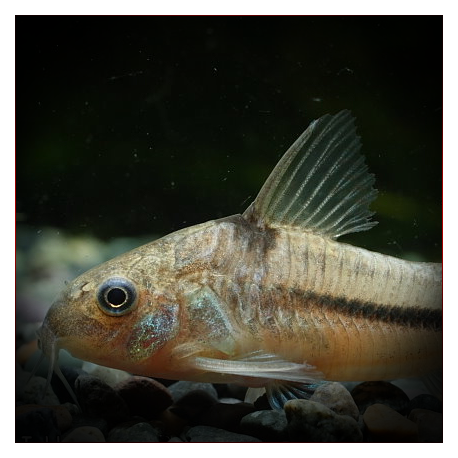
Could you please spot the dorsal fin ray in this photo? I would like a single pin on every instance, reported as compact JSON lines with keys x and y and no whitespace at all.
{"x":321,"y":184}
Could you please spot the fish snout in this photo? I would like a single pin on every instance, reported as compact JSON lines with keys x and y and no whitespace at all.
{"x":56,"y":327}
{"x":46,"y":340}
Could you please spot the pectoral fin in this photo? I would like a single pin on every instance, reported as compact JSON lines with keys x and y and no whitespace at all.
{"x":260,"y":366}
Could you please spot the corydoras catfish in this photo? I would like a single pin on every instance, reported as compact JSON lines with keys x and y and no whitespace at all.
{"x":268,"y":298}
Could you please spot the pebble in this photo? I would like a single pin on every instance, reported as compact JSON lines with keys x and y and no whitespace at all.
{"x":253,"y":395}
{"x":175,"y":439}
{"x":229,"y":400}
{"x":386,"y":425}
{"x":84,"y":434}
{"x":368,"y":393}
{"x":425,"y":401}
{"x":37,"y":425}
{"x":73,"y":409}
{"x":94,"y":422}
{"x":211,"y":434}
{"x":97,"y":399}
{"x":225,"y":416}
{"x":310,"y":421}
{"x":231,"y":390}
{"x":33,"y":391}
{"x":71,"y":374}
{"x":144,"y":396}
{"x":179,"y":389}
{"x":110,"y":376}
{"x":172,"y":424}
{"x":411,"y":386}
{"x":262,"y":403}
{"x":192,"y":405}
{"x":24,"y":386}
{"x":139,"y":432}
{"x":63,"y":416}
{"x":267,"y":425}
{"x":337,"y":398}
{"x":429,"y":423}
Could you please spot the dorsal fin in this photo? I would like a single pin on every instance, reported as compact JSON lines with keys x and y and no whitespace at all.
{"x":321,"y":184}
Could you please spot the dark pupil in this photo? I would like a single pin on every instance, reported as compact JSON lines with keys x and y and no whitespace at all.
{"x":116,"y":296}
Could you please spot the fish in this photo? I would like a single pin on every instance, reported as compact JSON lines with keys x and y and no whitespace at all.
{"x":268,"y":299}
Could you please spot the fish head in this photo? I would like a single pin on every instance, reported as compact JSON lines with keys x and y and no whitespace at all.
{"x":120,"y":314}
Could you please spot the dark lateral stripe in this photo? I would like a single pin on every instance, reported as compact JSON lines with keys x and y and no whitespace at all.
{"x":414,"y":317}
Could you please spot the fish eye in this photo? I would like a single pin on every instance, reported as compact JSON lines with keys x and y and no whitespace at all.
{"x":117,"y":296}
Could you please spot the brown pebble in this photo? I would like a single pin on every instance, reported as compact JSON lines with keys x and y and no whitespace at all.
{"x":144,"y":396}
{"x":386,"y":425}
{"x":97,"y":399}
{"x":225,"y":416}
{"x":336,"y":397}
{"x":311,"y":421}
{"x":193,"y":404}
{"x":63,"y":416}
{"x":369,"y":393}
{"x":429,"y":423}
{"x":85,"y":434}
{"x":172,"y":423}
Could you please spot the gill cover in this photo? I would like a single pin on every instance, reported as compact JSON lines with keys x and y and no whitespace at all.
{"x":153,"y":331}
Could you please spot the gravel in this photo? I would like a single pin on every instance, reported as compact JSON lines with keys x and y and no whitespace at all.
{"x":141,"y":409}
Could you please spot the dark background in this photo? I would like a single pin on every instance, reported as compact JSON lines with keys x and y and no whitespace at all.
{"x":129,"y":126}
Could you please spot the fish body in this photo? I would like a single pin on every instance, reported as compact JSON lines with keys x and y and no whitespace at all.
{"x":268,"y":298}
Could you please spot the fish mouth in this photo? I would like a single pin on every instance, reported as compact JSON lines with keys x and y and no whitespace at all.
{"x":48,"y":344}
